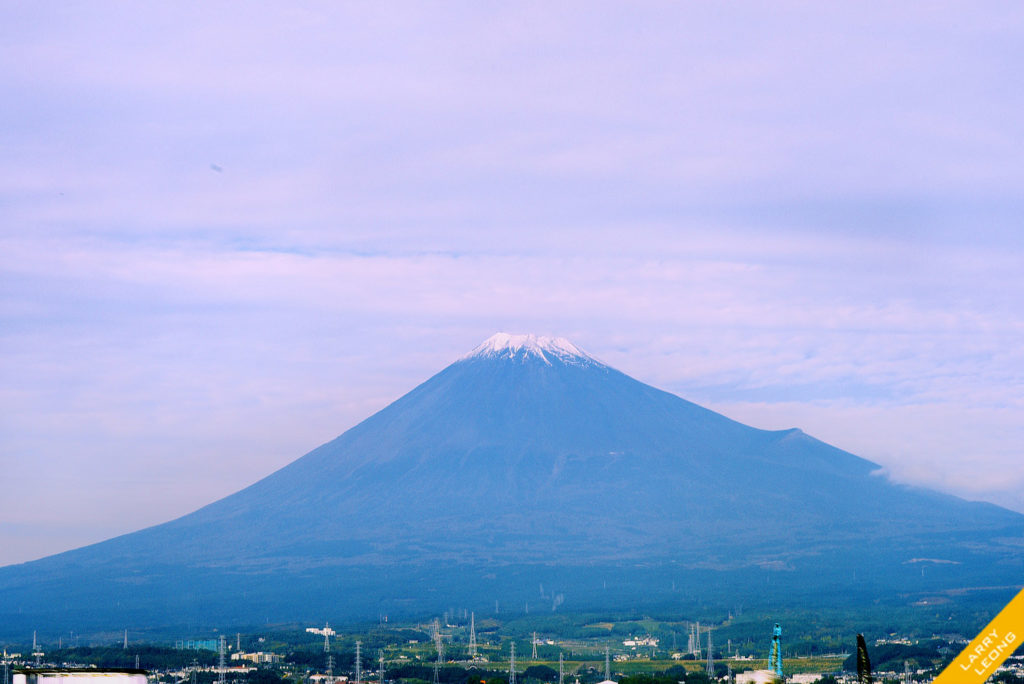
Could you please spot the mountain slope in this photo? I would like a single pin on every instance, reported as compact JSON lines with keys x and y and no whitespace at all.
{"x":530,"y":456}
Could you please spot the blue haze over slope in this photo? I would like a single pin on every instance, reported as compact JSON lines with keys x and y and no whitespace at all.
{"x":529,"y":462}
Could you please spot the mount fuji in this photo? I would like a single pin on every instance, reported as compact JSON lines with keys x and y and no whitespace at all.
{"x":527,"y":464}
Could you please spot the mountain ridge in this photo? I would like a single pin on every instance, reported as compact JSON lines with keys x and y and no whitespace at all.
{"x":528,"y":453}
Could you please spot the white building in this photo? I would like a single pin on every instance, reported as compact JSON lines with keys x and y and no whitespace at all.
{"x":260,"y":657}
{"x":757,"y":677}
{"x":79,"y":676}
{"x":805,"y":678}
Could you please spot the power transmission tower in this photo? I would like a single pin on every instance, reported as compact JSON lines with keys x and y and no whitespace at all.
{"x":380,"y":669}
{"x":327,"y":639}
{"x":534,"y":653}
{"x":136,"y":661}
{"x":711,"y":659}
{"x":512,"y":665}
{"x":220,"y":660}
{"x":126,"y":639}
{"x":561,"y":669}
{"x":436,"y":627}
{"x":330,"y":666}
{"x":607,"y":665}
{"x":359,"y":663}
{"x":472,"y":635}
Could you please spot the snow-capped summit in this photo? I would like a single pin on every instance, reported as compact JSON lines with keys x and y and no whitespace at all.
{"x":505,"y":345}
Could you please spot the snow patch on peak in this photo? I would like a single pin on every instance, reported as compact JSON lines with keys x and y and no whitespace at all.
{"x":505,"y":345}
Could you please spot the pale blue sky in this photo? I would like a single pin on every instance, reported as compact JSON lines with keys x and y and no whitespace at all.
{"x":230,"y":232}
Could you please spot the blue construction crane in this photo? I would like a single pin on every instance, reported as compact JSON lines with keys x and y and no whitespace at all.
{"x":775,"y":657}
